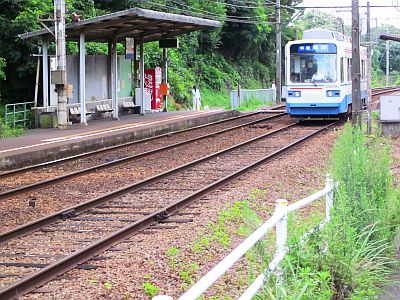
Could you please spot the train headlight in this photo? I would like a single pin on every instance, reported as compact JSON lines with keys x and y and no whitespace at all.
{"x":294,"y":94}
{"x":333,"y":93}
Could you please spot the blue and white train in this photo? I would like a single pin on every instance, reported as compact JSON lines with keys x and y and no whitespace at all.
{"x":318,"y":75}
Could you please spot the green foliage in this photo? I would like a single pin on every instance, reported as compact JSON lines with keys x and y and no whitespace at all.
{"x":171,"y":253}
{"x":8,"y":132}
{"x":2,"y":66}
{"x":215,"y":98}
{"x":318,"y":19}
{"x":252,"y":104}
{"x":150,"y":289}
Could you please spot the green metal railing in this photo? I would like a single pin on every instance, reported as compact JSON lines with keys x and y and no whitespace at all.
{"x":17,"y":113}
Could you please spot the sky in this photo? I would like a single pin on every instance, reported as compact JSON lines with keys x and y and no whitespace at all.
{"x":383,"y":15}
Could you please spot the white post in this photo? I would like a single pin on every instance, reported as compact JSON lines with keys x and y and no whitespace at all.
{"x":45,"y":70}
{"x":387,"y":63}
{"x":61,"y":53}
{"x":281,"y":234}
{"x":115,"y":79}
{"x":328,"y":198}
{"x":82,"y":78}
{"x":141,"y":76}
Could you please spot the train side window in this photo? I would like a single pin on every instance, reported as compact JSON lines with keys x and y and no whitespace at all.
{"x":342,"y":69}
{"x":348,"y":69}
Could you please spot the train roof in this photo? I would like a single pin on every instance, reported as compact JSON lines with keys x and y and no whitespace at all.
{"x":316,"y":34}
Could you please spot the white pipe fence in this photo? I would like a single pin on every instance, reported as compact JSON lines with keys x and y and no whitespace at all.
{"x":238,"y":97}
{"x":279,"y":220}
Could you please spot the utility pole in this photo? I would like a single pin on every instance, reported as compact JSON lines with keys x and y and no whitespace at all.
{"x":61,"y":75}
{"x":369,"y":69}
{"x":387,"y":63}
{"x":355,"y":70}
{"x":165,"y":77}
{"x":278,"y":46}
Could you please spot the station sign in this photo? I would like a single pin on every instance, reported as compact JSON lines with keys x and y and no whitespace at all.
{"x":168,"y":43}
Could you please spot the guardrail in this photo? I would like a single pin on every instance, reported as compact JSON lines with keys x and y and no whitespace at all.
{"x":18,"y":112}
{"x":278,"y":220}
{"x":239,"y":96}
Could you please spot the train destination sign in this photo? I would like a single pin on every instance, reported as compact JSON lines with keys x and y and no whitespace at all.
{"x":314,"y":48}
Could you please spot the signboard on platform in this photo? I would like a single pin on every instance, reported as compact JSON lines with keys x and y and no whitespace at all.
{"x":168,"y":43}
{"x":130,"y":48}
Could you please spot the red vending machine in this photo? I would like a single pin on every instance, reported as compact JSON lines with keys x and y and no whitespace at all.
{"x":152,"y":81}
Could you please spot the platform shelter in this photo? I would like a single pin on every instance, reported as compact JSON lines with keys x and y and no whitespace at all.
{"x":142,"y":25}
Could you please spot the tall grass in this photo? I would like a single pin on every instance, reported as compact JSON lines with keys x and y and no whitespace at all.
{"x":8,"y":132}
{"x":354,"y":255}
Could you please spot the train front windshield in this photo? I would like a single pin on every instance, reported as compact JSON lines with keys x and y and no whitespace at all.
{"x":313,"y":63}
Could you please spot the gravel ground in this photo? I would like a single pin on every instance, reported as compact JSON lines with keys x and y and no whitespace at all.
{"x":125,"y":268}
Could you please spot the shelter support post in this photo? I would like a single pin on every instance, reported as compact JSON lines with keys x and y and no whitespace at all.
{"x":82,"y":77}
{"x":141,"y":76}
{"x":115,"y":79}
{"x":165,"y":77}
{"x":135,"y":68}
{"x":45,"y":70}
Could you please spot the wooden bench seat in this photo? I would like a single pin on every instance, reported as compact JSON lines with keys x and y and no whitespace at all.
{"x":75,"y":113}
{"x":129,"y":105}
{"x":103,"y":109}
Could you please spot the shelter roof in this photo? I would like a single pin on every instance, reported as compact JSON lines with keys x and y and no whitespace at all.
{"x":389,"y":37}
{"x":133,"y":22}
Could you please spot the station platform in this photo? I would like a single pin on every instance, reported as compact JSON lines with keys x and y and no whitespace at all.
{"x":40,"y":145}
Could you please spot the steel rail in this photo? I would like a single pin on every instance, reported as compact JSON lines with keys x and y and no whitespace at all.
{"x":379,"y":91}
{"x":50,"y":272}
{"x":58,"y":179}
{"x":82,"y":155}
{"x":80,"y":208}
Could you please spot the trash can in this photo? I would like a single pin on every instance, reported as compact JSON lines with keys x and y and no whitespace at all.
{"x":48,"y":120}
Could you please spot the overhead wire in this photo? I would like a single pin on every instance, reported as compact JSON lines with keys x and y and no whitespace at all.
{"x":210,"y":15}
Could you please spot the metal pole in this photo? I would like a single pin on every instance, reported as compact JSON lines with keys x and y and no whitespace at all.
{"x":37,"y":78}
{"x":45,"y":71}
{"x":115,"y":79}
{"x":82,"y":77}
{"x":369,"y":69}
{"x":59,"y":16}
{"x":165,"y":76}
{"x":278,"y":82}
{"x":355,"y":70}
{"x":281,"y":235}
{"x":387,"y":63}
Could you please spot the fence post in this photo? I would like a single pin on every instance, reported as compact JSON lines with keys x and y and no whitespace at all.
{"x":281,"y":235}
{"x":328,"y":197}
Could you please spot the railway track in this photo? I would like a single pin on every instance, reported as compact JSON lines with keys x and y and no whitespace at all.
{"x":384,"y":90}
{"x":118,"y":151}
{"x":26,"y":179}
{"x":40,"y":251}
{"x":26,"y":203}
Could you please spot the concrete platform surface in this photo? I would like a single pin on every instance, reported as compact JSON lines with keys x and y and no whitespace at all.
{"x":39,"y":145}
